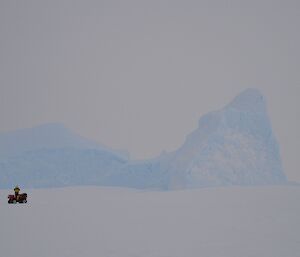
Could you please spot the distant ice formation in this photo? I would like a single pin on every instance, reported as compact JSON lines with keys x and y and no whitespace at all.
{"x":233,"y":146}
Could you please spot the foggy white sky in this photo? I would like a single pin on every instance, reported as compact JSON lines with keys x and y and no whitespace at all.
{"x":138,"y":75}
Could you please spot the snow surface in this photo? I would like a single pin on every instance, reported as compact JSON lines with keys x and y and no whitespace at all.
{"x":116,"y":222}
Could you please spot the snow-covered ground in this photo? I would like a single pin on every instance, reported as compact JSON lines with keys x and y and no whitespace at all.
{"x":116,"y":222}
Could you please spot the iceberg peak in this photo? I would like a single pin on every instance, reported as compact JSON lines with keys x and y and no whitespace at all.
{"x":250,"y":100}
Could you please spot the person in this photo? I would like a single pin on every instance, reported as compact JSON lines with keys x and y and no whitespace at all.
{"x":17,"y":190}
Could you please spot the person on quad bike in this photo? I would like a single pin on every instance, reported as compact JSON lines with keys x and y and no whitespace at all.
{"x":17,"y":190}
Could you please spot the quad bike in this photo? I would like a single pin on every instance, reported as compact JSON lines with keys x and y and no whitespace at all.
{"x":21,"y":198}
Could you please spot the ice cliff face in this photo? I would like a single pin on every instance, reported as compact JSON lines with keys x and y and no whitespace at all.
{"x":46,"y":136}
{"x":51,"y":155}
{"x":233,"y":146}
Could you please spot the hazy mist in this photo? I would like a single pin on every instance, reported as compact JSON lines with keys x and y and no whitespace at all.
{"x":138,"y":75}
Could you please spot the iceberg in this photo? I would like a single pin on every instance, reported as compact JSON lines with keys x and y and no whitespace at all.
{"x":232,"y":146}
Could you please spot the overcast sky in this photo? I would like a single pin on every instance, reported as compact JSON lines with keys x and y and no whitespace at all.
{"x":138,"y":75}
